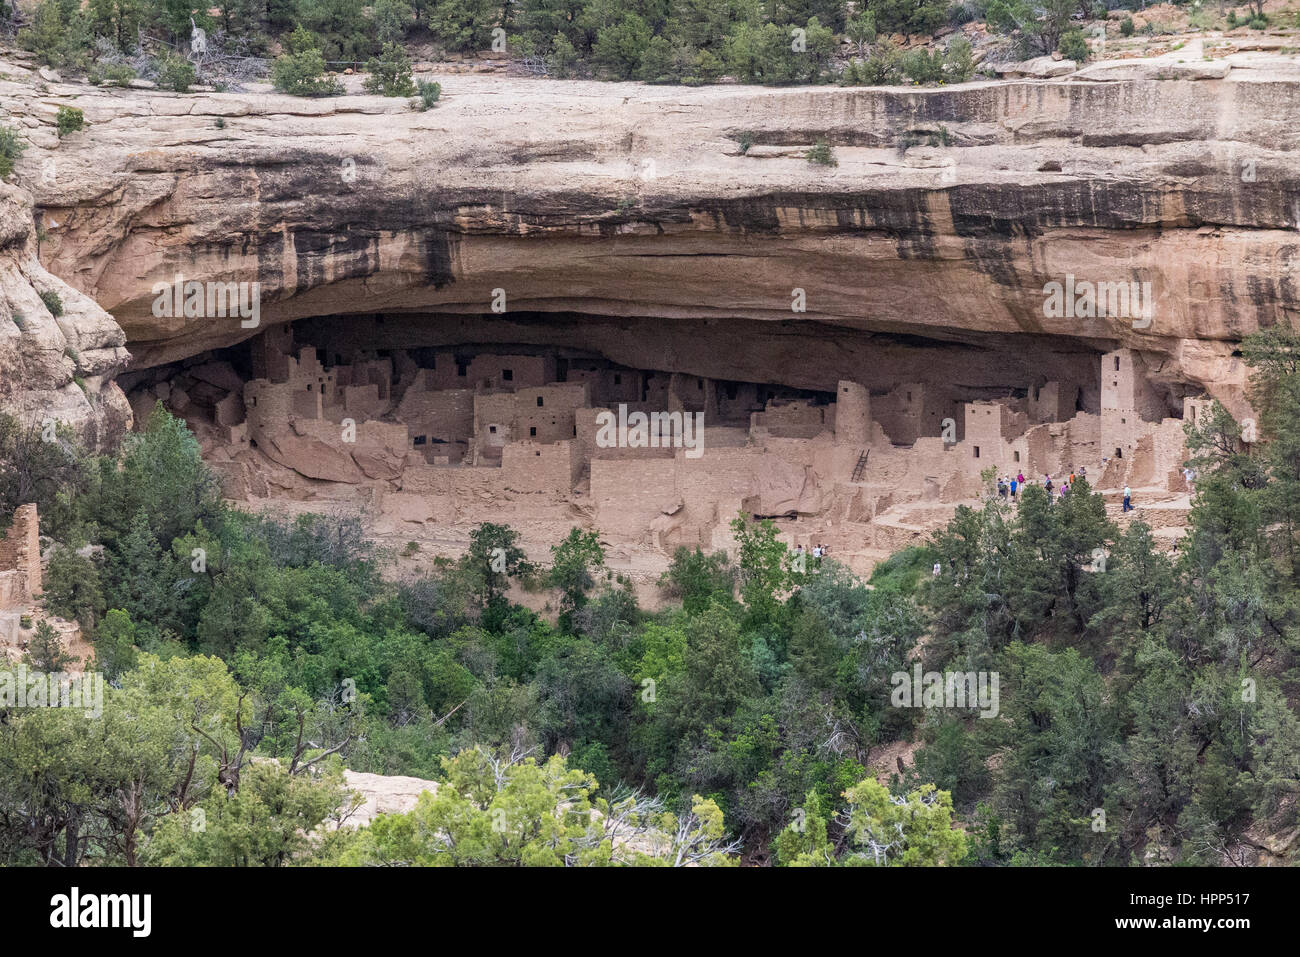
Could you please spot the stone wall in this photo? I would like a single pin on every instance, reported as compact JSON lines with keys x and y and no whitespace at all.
{"x":20,"y":558}
{"x":537,"y":467}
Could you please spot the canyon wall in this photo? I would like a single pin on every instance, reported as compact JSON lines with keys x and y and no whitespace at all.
{"x":580,"y":207}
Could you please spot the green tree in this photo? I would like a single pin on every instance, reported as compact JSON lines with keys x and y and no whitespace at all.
{"x":115,"y":639}
{"x":463,"y":25}
{"x":493,"y":558}
{"x":72,"y":588}
{"x":698,"y":580}
{"x":303,"y":74}
{"x":45,"y":651}
{"x":915,"y":831}
{"x":804,"y":842}
{"x":389,"y":73}
{"x":763,"y":568}
{"x":58,"y":34}
{"x":268,"y":822}
{"x":574,"y":563}
{"x":907,"y":16}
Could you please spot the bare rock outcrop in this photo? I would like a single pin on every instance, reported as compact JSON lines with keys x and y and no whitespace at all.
{"x":58,"y":354}
{"x":591,"y":205}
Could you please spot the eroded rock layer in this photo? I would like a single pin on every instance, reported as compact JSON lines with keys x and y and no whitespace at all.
{"x":948,"y":213}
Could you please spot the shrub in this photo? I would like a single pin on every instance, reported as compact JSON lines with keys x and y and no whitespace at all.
{"x":658,"y":64}
{"x":822,"y":154}
{"x":303,"y":74}
{"x":70,"y":120}
{"x":57,"y":33}
{"x":746,"y":140}
{"x":563,"y":58}
{"x":52,"y":302}
{"x":619,"y":48}
{"x":175,"y":73}
{"x":11,"y":147}
{"x":959,"y":61}
{"x":707,"y":66}
{"x":920,"y":66}
{"x":429,"y":93}
{"x":390,"y":72}
{"x":908,"y":16}
{"x":1126,"y":26}
{"x":461,"y":25}
{"x":883,"y":68}
{"x":1073,"y":46}
{"x":763,"y":54}
{"x":111,"y":74}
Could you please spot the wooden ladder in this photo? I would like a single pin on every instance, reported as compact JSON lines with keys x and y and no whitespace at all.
{"x":860,"y":467}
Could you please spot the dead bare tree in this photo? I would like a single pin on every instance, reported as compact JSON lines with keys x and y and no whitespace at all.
{"x":230,"y":764}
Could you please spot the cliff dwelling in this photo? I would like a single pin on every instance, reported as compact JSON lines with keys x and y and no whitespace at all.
{"x":430,"y":432}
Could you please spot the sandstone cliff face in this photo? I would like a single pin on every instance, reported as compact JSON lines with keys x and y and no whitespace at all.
{"x":58,"y":367}
{"x":593,"y":204}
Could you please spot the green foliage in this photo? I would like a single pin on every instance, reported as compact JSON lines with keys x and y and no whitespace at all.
{"x":1039,"y":24}
{"x":821,"y":154}
{"x":563,"y":58}
{"x":773,"y":55}
{"x":69,"y":120}
{"x":1073,"y":46}
{"x":804,"y":842}
{"x":11,"y":148}
{"x":45,"y":651}
{"x":111,"y":74}
{"x":115,"y":641}
{"x":42,"y":463}
{"x":58,"y":33}
{"x":392,"y":19}
{"x":922,"y":66}
{"x":429,"y":93}
{"x":619,"y":46}
{"x":303,"y":74}
{"x":504,"y":813}
{"x":53,"y":303}
{"x":698,"y":580}
{"x":344,"y":31}
{"x":71,"y":588}
{"x":907,"y":16}
{"x":463,"y":25}
{"x":574,"y":563}
{"x":915,"y":831}
{"x":389,"y":73}
{"x":268,"y":822}
{"x":493,"y":558}
{"x":175,"y":73}
{"x":1126,"y":26}
{"x":763,"y":570}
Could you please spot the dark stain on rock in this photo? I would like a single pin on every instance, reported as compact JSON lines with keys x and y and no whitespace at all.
{"x":436,"y":252}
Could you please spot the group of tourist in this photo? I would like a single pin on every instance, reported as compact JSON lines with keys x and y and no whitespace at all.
{"x":819,"y":551}
{"x":1009,"y":485}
